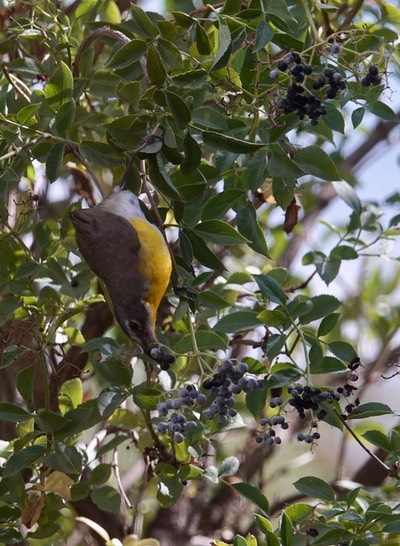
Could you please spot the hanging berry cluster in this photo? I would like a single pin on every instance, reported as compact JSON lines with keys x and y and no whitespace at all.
{"x":310,"y":87}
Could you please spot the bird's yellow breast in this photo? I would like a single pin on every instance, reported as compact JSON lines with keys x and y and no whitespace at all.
{"x":155,"y":261}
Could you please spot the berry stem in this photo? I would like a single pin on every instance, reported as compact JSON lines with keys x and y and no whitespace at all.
{"x":357,"y":439}
{"x":313,"y":28}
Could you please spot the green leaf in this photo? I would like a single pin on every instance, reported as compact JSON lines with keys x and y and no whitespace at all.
{"x":275,"y":344}
{"x":193,"y":154}
{"x":271,"y":288}
{"x":10,"y":354}
{"x":252,"y":494}
{"x":327,"y":266}
{"x":79,"y":491}
{"x":315,"y":161}
{"x":202,"y":253}
{"x":357,"y":116}
{"x":27,"y":112}
{"x":370,"y":409}
{"x":59,"y":87}
{"x":205,"y":341}
{"x":54,"y":161}
{"x":323,"y":305}
{"x":264,"y":34}
{"x":169,"y":491}
{"x":327,"y":324}
{"x":224,"y":43}
{"x":107,"y":346}
{"x":179,"y":110}
{"x":84,"y":7}
{"x":183,"y":19}
{"x":161,"y":179}
{"x":219,"y":204}
{"x":342,"y":350}
{"x":383,"y":111}
{"x":128,"y":54}
{"x":327,"y":364}
{"x":13,"y":414}
{"x":278,"y":8}
{"x":239,"y":541}
{"x":238,"y":321}
{"x":65,"y":117}
{"x":281,"y":165}
{"x":256,"y":401}
{"x":99,"y":154}
{"x":379,"y":439}
{"x":65,"y":459}
{"x":145,"y":396}
{"x":70,"y":395}
{"x":107,"y":499}
{"x":144,"y":23}
{"x":25,"y":380}
{"x":155,"y":67}
{"x":219,"y":232}
{"x":229,"y":143}
{"x":348,"y":195}
{"x":334,"y":119}
{"x":203,"y":43}
{"x":282,"y":374}
{"x":263,"y":523}
{"x":314,"y":487}
{"x":286,"y":529}
{"x":298,"y":512}
{"x":344,"y":252}
{"x":49,"y":421}
{"x":283,"y":191}
{"x":100,"y":474}
{"x":22,"y":459}
{"x":249,"y":227}
{"x":191,"y":79}
{"x":109,"y":400}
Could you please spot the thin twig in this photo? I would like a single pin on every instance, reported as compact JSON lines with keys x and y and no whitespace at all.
{"x":357,"y":439}
{"x":352,"y":13}
{"x":118,"y":478}
{"x":103,"y":32}
{"x":302,"y":285}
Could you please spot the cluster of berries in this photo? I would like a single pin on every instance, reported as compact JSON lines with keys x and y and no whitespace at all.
{"x":372,"y":78}
{"x":333,"y":80}
{"x":301,"y":104}
{"x":268,"y":434}
{"x":311,"y":436}
{"x":300,"y":100}
{"x":347,"y":390}
{"x":177,"y":424}
{"x":309,"y":398}
{"x":229,"y":379}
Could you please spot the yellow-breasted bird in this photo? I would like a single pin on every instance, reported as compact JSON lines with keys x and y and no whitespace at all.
{"x":131,"y":257}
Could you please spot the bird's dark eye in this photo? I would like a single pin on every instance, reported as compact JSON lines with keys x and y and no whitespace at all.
{"x":134,"y":326}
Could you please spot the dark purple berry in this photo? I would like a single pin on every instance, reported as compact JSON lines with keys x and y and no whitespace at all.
{"x":307,"y":69}
{"x":331,"y":93}
{"x":328,"y":72}
{"x":318,"y":84}
{"x":282,"y":66}
{"x":274,"y":74}
{"x":373,"y":70}
{"x":366,"y":82}
{"x":335,"y":48}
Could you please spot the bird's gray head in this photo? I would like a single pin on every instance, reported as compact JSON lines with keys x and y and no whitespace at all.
{"x":123,"y":203}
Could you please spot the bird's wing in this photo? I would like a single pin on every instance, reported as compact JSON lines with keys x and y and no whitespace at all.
{"x":110,"y":245}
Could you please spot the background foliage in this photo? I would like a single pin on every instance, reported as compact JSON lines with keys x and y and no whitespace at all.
{"x":233,"y":121}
